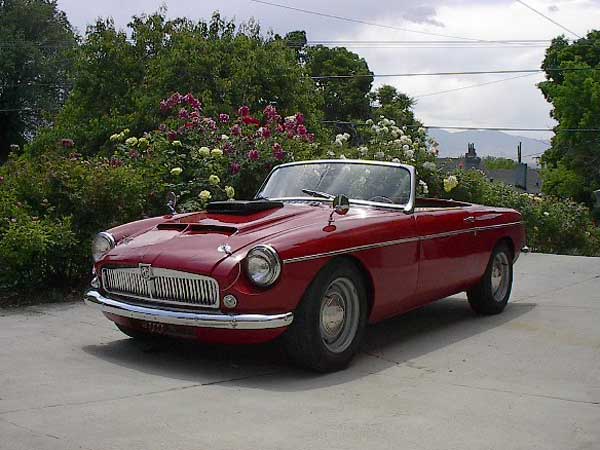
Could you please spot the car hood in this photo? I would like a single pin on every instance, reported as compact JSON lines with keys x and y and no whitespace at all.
{"x":199,"y":241}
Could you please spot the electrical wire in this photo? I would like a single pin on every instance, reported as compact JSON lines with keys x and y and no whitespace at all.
{"x":363,"y":22}
{"x":548,"y":18}
{"x":472,"y":72}
{"x":474,"y":86}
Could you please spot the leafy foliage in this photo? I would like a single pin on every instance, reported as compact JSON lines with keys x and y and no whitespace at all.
{"x":575,"y":97}
{"x":495,"y":163}
{"x":117,"y":82}
{"x":34,"y":66}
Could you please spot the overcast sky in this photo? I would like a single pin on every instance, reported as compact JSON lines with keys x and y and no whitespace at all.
{"x":513,"y":103}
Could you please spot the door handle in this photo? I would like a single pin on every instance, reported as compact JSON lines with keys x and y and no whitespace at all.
{"x":469,"y":219}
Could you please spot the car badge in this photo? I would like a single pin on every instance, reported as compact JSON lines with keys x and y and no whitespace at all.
{"x":146,"y":271}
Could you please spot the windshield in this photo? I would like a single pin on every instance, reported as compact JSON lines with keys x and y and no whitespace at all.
{"x":359,"y":181}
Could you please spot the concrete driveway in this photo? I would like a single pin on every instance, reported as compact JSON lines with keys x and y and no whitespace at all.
{"x":438,"y":378}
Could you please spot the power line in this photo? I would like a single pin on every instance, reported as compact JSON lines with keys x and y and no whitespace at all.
{"x":363,"y":22}
{"x":475,"y":128}
{"x":548,"y":18}
{"x":474,"y":86}
{"x":472,"y":72}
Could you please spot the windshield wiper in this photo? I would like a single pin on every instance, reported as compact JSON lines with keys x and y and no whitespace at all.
{"x":319,"y":194}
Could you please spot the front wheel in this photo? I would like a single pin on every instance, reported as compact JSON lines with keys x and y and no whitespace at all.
{"x":330,"y":322}
{"x":491,"y":294}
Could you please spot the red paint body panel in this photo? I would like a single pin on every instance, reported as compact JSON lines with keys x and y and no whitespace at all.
{"x":408,"y":259}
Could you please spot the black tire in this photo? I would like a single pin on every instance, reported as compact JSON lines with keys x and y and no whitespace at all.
{"x":136,"y":334}
{"x":306,"y":341}
{"x":487,"y":298}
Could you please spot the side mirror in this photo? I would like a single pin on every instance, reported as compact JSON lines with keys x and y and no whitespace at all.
{"x":341,"y":204}
{"x":172,"y":202}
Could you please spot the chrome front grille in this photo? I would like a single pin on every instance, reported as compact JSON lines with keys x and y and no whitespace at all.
{"x":162,"y":285}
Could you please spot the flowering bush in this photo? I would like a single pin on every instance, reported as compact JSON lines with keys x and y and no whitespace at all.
{"x":553,"y":225}
{"x":205,"y":158}
{"x":386,"y":141}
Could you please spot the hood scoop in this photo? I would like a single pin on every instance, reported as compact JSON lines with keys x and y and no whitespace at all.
{"x":241,"y":207}
{"x":196,"y":228}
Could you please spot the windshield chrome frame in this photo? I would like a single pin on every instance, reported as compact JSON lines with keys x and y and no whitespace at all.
{"x":408,"y":208}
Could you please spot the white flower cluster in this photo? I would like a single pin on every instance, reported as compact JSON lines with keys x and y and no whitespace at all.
{"x":340,"y":139}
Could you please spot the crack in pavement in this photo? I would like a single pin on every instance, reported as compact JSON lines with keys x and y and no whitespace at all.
{"x":527,"y":394}
{"x":140,"y":394}
{"x":505,"y":391}
{"x":40,"y":434}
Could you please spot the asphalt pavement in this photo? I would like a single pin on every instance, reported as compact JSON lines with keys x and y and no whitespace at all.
{"x":437,"y":378}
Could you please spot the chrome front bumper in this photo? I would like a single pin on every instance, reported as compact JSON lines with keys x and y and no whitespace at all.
{"x":191,"y":319}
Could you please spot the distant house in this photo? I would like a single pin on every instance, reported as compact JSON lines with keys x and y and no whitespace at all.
{"x":522,"y":177}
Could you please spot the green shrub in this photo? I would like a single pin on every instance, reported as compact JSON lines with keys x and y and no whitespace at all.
{"x":553,"y":225}
{"x":52,"y":206}
{"x":37,"y":252}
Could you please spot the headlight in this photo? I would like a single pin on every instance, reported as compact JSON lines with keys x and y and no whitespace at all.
{"x":263,"y":265}
{"x":103,"y":242}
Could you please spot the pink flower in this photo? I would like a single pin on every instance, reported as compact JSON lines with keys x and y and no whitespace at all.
{"x":300,"y":119}
{"x":278,"y":152}
{"x":301,"y":130}
{"x":228,"y":149}
{"x":310,"y":137}
{"x":1,"y":179}
{"x":134,"y":154}
{"x":254,"y":155}
{"x":224,"y":118}
{"x":235,"y":168}
{"x":162,"y":127}
{"x":183,"y":114}
{"x":270,"y":113}
{"x":67,"y":143}
{"x":192,"y":101}
{"x":264,"y":132}
{"x":248,"y":120}
{"x":115,"y":162}
{"x":236,"y":130}
{"x":171,"y":136}
{"x":244,"y":111}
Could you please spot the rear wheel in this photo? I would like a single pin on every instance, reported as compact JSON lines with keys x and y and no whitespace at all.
{"x":491,"y":294}
{"x":329,"y":324}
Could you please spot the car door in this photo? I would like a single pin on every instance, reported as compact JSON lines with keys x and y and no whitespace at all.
{"x":446,"y":251}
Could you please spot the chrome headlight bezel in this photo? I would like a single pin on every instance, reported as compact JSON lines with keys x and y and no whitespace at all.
{"x":268,"y":255}
{"x":103,"y":243}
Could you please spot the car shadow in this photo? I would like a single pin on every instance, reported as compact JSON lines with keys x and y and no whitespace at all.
{"x":397,"y":341}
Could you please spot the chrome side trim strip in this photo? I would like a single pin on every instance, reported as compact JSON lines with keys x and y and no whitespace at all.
{"x":360,"y":248}
{"x":397,"y":242}
{"x":205,"y":320}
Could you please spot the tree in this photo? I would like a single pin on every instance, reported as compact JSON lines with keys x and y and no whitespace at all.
{"x":34,"y":64}
{"x":575,"y":98}
{"x":389,"y":102}
{"x":345,"y":98}
{"x":118,"y":82}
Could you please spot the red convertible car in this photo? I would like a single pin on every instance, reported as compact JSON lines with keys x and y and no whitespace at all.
{"x":325,"y":248}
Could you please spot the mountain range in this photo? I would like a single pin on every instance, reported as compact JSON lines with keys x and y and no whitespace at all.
{"x":488,"y":143}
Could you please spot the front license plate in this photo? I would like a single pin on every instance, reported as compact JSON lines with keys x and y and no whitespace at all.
{"x":154,"y":327}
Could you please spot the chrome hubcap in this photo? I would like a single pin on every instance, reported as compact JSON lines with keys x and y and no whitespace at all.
{"x":339,"y":315}
{"x":500,"y":276}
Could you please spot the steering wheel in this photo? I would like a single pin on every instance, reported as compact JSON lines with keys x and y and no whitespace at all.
{"x":381,"y":199}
